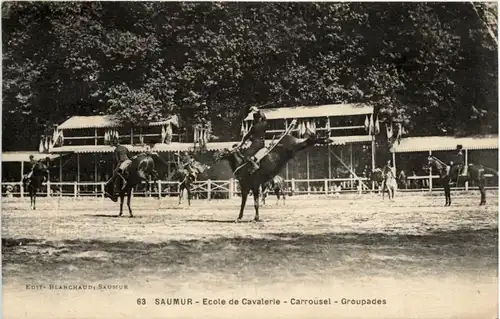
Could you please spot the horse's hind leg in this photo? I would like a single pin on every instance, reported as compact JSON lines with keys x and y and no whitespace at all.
{"x":129,"y":196}
{"x":122,"y":195}
{"x":482,"y":191}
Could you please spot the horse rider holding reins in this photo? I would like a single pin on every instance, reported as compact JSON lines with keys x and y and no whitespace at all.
{"x":121,"y":154}
{"x":187,"y":163}
{"x":256,"y":135}
{"x":457,"y":164}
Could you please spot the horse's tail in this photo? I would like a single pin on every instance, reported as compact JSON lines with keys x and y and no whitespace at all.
{"x":491,"y":170}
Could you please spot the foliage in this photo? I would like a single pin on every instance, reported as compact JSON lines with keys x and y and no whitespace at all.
{"x":432,"y":65}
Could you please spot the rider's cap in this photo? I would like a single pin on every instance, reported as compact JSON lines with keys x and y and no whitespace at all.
{"x":459,"y":147}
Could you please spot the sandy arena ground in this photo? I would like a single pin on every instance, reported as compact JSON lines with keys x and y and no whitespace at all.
{"x":422,"y":259}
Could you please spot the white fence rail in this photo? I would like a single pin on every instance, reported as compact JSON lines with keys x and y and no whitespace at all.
{"x":230,"y":188}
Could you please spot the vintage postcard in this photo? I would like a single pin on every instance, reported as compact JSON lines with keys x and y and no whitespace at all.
{"x":249,"y":160}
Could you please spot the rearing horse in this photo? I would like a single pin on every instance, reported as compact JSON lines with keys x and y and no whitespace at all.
{"x":475,"y":173}
{"x":141,"y":169}
{"x":33,"y":184}
{"x":270,"y":166}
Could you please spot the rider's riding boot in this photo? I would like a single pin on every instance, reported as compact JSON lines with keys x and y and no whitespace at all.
{"x":119,"y":172}
{"x":254,"y":164}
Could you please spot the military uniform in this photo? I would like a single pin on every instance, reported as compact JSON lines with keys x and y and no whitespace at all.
{"x":257,"y":136}
{"x":458,"y":166}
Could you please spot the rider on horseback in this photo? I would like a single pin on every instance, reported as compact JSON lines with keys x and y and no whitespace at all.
{"x":187,"y":163}
{"x":121,"y":154}
{"x":458,"y":165}
{"x":32,"y":162}
{"x":256,"y":134}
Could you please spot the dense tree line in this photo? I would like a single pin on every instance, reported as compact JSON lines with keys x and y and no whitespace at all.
{"x":431,"y":65}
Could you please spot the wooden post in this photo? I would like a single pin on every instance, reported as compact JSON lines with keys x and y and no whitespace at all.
{"x":394,"y":161}
{"x":78,"y":167}
{"x":430,"y":174}
{"x":209,"y":189}
{"x":351,"y":163}
{"x":326,"y":187}
{"x":131,"y":136}
{"x":293,"y":185}
{"x":22,"y":175}
{"x":307,"y":164}
{"x":95,"y":136}
{"x":60,"y":171}
{"x":466,"y":165}
{"x":231,"y":188}
{"x":159,"y":188}
{"x":373,"y":158}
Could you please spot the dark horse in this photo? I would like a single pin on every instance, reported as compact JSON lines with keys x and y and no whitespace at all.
{"x":34,"y":183}
{"x":141,"y":169}
{"x":270,"y":165}
{"x":475,"y":174}
{"x":186,"y":180}
{"x":277,"y":186}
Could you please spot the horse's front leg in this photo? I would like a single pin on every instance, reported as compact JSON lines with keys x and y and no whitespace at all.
{"x":188,"y":190}
{"x":256,"y":196}
{"x":181,"y":192}
{"x":129,"y":196}
{"x":244,"y":196}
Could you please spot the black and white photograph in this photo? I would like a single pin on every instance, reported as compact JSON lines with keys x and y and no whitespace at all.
{"x":185,"y":159}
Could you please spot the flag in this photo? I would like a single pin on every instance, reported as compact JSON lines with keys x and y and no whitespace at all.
{"x":399,"y":133}
{"x":242,"y":131}
{"x":40,"y":147}
{"x":370,"y":128}
{"x":163,"y":134}
{"x":116,"y":135}
{"x":46,"y":145}
{"x":377,"y":126}
{"x":174,"y":119}
{"x":106,"y":137}
{"x":367,"y":123}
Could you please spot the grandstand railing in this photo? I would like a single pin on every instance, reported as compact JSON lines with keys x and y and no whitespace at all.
{"x":229,"y":188}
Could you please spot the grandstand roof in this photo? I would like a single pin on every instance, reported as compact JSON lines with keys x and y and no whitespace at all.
{"x":315,"y":111}
{"x":444,"y":143}
{"x":24,"y":156}
{"x":103,"y":121}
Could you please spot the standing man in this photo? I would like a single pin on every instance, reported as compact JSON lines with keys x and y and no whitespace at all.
{"x":256,"y":135}
{"x":388,"y":170}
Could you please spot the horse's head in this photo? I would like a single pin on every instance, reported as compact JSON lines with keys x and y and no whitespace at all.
{"x":313,"y":139}
{"x":233,"y":156}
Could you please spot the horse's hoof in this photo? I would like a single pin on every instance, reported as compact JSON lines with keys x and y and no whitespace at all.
{"x":256,"y":219}
{"x":131,"y":216}
{"x":237,"y":220}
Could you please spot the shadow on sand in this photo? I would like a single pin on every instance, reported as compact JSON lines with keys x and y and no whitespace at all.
{"x":225,"y":221}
